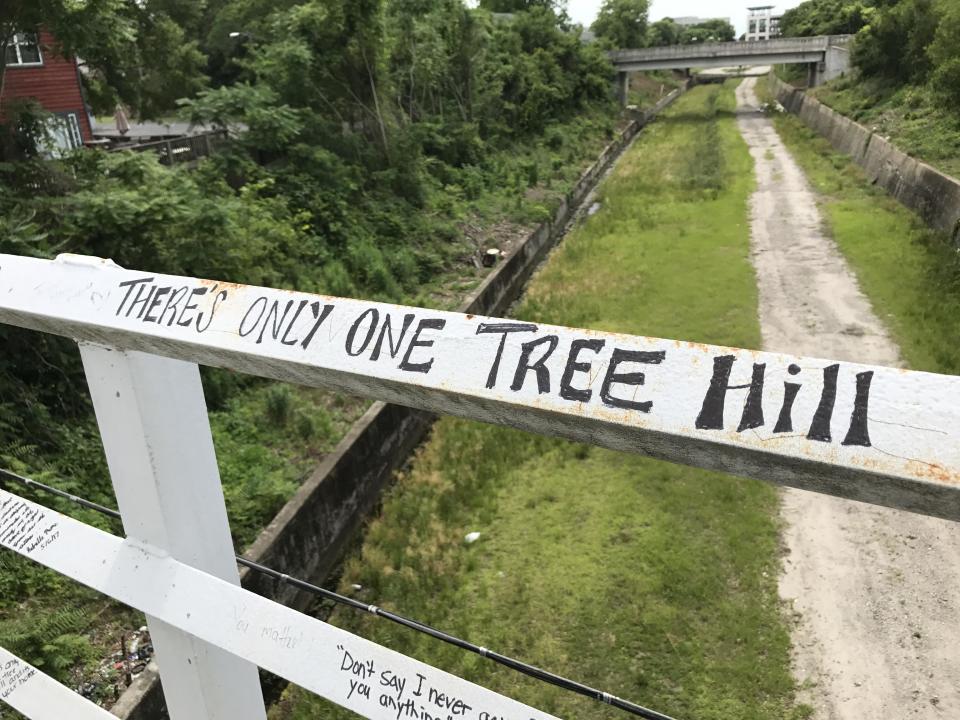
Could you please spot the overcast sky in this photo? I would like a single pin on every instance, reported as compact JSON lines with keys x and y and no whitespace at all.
{"x":584,"y":11}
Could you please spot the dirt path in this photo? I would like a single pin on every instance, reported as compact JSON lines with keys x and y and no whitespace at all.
{"x":876,"y":591}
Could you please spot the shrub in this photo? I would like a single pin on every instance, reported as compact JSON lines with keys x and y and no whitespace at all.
{"x":279,"y":404}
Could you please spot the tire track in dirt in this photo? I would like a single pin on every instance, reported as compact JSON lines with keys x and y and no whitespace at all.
{"x":875,"y":591}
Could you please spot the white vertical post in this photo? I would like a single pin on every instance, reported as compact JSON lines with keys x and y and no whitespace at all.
{"x":156,"y":434}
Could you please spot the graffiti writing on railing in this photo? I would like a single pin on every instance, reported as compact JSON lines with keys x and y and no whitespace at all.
{"x":579,"y":370}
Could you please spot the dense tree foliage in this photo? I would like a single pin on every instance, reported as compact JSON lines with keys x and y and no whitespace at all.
{"x":513,"y":6}
{"x":826,"y":17}
{"x":669,"y":32}
{"x":623,"y":23}
{"x":944,"y":54}
{"x":894,"y":43}
{"x":359,"y":130}
{"x":914,"y":42}
{"x":144,"y":53}
{"x":664,"y":32}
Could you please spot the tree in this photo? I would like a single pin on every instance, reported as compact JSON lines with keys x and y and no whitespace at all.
{"x":894,"y":43}
{"x":623,"y":22}
{"x":945,"y":55}
{"x":513,"y":6}
{"x":718,"y":30}
{"x":664,"y":32}
{"x":826,"y":17}
{"x":230,"y":30}
{"x":134,"y":51}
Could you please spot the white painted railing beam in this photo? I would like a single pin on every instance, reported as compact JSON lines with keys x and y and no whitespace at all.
{"x":369,"y":679}
{"x":37,"y":696}
{"x":882,"y":435}
{"x":156,"y":435}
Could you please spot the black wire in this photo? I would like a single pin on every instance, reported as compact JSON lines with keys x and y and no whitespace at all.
{"x":103,"y":509}
{"x":513,"y":664}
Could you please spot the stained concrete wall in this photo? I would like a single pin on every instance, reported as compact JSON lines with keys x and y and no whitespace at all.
{"x":836,"y":62}
{"x":932,"y":194}
{"x":309,"y":536}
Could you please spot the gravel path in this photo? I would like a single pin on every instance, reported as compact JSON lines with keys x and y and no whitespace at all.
{"x":875,"y":592}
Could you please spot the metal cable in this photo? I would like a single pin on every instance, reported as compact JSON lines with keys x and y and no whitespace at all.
{"x":513,"y":664}
{"x":102,"y":509}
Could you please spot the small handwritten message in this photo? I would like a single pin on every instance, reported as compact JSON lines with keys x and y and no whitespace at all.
{"x":403,"y":695}
{"x":25,"y":528}
{"x":15,"y":674}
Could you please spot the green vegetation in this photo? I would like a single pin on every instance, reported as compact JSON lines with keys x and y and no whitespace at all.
{"x":646,"y":89}
{"x":826,"y":17}
{"x":375,"y":148}
{"x":910,"y":273}
{"x":907,"y":80}
{"x":669,"y":32}
{"x":624,"y":24}
{"x":908,"y":115}
{"x":650,"y":580}
{"x":356,"y":174}
{"x":144,"y":53}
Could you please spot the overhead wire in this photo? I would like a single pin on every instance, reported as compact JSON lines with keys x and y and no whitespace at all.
{"x":512,"y":663}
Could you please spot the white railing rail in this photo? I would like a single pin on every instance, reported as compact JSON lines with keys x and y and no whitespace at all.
{"x":882,"y":435}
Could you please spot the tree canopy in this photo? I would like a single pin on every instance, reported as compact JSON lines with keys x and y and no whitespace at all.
{"x":669,"y":32}
{"x":623,"y":23}
{"x":363,"y":129}
{"x":826,"y":17}
{"x":144,"y":53}
{"x":913,"y":42}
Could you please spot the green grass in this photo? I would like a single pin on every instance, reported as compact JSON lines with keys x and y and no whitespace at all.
{"x":268,"y":440}
{"x":647,"y":88}
{"x":910,"y":273}
{"x":653,"y":581}
{"x":908,"y":115}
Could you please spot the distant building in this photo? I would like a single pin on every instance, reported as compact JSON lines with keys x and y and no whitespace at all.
{"x":762,"y":24}
{"x":34,"y":69}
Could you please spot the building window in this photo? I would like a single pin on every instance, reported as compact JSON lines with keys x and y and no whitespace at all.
{"x":753,"y":26}
{"x":63,"y":134}
{"x":23,"y":49}
{"x":763,"y":26}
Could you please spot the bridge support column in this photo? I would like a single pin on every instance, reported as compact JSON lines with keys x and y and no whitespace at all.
{"x":623,"y":88}
{"x":814,"y":74}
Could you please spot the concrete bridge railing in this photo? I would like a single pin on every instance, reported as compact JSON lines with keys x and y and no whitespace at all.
{"x":826,"y":57}
{"x":729,"y":49}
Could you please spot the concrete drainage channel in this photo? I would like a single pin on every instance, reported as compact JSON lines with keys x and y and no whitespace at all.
{"x":310,"y":535}
{"x":930,"y":193}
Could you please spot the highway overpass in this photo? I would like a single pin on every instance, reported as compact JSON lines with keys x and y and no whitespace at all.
{"x":826,"y":57}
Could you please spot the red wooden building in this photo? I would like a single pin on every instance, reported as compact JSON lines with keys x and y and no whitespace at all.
{"x":34,"y":69}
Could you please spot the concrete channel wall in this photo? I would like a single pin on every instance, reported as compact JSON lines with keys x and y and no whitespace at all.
{"x":934,"y":195}
{"x":310,"y":534}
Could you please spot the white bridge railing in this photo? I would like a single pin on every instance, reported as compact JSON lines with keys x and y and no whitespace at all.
{"x":881,"y":435}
